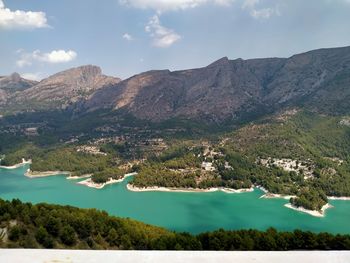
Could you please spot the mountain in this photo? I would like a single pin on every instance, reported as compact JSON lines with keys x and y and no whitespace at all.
{"x":226,"y":90}
{"x":62,"y":89}
{"x":11,"y":84}
{"x":14,"y":82}
{"x":234,"y":89}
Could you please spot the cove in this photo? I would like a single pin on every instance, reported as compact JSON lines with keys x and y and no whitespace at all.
{"x":190,"y":212}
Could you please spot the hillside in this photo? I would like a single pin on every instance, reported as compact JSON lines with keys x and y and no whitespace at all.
{"x":294,"y":153}
{"x":60,"y":90}
{"x":226,"y":91}
{"x":12,"y":84}
{"x":23,"y":225}
{"x":278,"y":123}
{"x":235,"y":90}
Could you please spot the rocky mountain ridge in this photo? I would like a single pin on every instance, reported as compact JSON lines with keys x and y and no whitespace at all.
{"x":11,"y":84}
{"x":62,"y":89}
{"x":234,"y":89}
{"x":226,"y":90}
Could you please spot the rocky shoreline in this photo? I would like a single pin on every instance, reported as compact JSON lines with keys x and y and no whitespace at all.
{"x":280,"y":196}
{"x":89,"y":183}
{"x":310,"y":212}
{"x":267,"y":195}
{"x":342,"y":198}
{"x":24,"y":162}
{"x":33,"y":174}
{"x":187,"y":190}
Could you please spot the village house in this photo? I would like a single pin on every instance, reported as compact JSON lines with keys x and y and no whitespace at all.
{"x":208,"y":166}
{"x":31,"y":131}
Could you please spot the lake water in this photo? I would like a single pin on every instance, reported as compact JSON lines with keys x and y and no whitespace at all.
{"x":191,"y":212}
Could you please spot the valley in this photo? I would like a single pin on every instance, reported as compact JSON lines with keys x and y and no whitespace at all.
{"x":233,"y":126}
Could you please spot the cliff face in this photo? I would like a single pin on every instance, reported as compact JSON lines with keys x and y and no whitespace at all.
{"x":229,"y":89}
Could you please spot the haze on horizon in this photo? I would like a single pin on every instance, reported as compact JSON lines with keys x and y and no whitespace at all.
{"x":126,"y":37}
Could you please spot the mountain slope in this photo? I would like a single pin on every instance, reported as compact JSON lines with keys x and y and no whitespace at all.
{"x":234,"y":89}
{"x":11,"y":84}
{"x":62,"y":89}
{"x":224,"y":91}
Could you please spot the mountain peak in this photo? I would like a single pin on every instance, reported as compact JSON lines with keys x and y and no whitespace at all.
{"x":67,"y":87}
{"x":233,"y":89}
{"x":15,"y":76}
{"x":89,"y":69}
{"x":15,"y":82}
{"x":220,"y":62}
{"x":86,"y":70}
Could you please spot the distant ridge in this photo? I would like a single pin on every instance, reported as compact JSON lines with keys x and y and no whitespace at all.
{"x":225,"y":90}
{"x":235,"y":89}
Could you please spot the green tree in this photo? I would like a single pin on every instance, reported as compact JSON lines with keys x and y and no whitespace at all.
{"x":14,"y":233}
{"x":43,"y":237}
{"x":68,"y":235}
{"x":112,"y":237}
{"x":53,"y":225}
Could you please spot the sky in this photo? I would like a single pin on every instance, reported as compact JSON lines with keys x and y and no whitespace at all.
{"x":125,"y":37}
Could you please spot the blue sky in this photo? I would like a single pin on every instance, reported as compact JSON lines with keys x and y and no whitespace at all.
{"x":126,"y":37}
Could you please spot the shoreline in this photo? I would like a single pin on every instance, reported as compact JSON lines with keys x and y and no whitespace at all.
{"x":267,"y":195}
{"x":341,"y":198}
{"x":310,"y":212}
{"x":24,"y":162}
{"x":70,"y":177}
{"x":187,"y":190}
{"x":33,"y":174}
{"x":279,"y":196}
{"x":287,"y":197}
{"x":261,"y":188}
{"x":89,"y":183}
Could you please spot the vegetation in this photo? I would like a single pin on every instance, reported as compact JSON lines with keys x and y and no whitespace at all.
{"x":156,"y":175}
{"x":54,"y":226}
{"x":320,"y":141}
{"x":107,"y":173}
{"x":310,"y":199}
{"x":67,"y":159}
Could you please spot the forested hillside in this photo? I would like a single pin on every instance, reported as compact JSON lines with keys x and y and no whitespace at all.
{"x":52,"y":226}
{"x":296,"y":153}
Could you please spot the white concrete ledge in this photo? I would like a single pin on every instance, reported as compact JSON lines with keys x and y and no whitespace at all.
{"x":87,"y":256}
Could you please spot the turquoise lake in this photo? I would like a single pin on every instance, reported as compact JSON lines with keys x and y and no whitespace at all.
{"x":191,"y":212}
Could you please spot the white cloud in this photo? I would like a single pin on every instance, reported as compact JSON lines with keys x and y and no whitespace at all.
{"x":23,"y":62}
{"x":262,"y":13}
{"x":54,"y":57}
{"x":21,"y":19}
{"x":32,"y":76}
{"x":162,"y":37}
{"x":249,"y":3}
{"x":167,"y":5}
{"x":57,"y":56}
{"x":170,"y":5}
{"x":127,"y":37}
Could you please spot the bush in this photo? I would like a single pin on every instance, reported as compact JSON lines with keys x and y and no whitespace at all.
{"x":68,"y":236}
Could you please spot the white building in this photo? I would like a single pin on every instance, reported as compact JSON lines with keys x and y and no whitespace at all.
{"x":208,"y":166}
